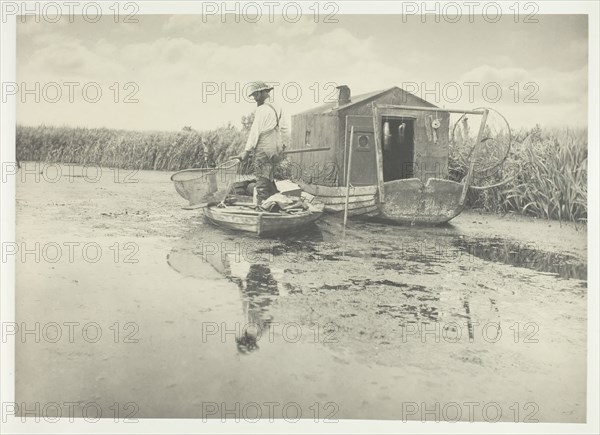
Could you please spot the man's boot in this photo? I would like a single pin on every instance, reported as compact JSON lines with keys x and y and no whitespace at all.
{"x":263,"y":189}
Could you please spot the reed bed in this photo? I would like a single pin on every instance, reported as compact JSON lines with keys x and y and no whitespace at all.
{"x":546,"y":169}
{"x":164,"y":151}
{"x":547,"y":173}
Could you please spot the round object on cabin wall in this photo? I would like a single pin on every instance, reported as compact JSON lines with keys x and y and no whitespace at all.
{"x":436,"y":123}
{"x":363,"y":141}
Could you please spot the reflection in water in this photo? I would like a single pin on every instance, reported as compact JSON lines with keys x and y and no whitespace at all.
{"x":523,"y":255}
{"x":468,"y":314}
{"x":259,"y":288}
{"x":247,"y":263}
{"x":420,"y":304}
{"x":376,"y":286}
{"x":256,"y":282}
{"x":326,"y":268}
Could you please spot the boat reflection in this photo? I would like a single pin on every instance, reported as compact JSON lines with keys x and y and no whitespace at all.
{"x":258,"y":289}
{"x":260,"y":284}
{"x":254,"y":267}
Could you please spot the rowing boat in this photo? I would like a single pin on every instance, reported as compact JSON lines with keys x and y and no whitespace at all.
{"x":245,"y":217}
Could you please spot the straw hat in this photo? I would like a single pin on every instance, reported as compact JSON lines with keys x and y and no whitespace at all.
{"x":258,"y":86}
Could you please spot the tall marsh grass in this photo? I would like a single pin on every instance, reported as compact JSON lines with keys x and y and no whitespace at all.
{"x":166,"y":151}
{"x":547,"y":170}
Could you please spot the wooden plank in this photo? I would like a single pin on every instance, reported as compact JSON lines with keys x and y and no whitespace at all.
{"x":327,"y":191}
{"x":230,"y":217}
{"x":353,"y":206}
{"x":270,"y":224}
{"x":371,"y":210}
{"x":378,"y":153}
{"x":245,"y":213}
{"x":233,"y":225}
{"x":323,"y":137}
{"x":336,"y":200}
{"x":307,"y":150}
{"x":356,"y":211}
{"x":428,"y":109}
{"x":372,"y":200}
{"x":259,"y":225}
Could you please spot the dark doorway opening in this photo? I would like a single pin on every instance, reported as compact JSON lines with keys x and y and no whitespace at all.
{"x":398,"y":148}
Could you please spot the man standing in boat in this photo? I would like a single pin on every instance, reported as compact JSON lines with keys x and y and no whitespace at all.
{"x":266,"y":139}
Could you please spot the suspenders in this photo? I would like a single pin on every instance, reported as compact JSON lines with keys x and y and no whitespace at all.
{"x":276,"y":115}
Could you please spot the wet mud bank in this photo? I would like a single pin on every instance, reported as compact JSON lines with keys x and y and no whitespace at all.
{"x":437,"y":303}
{"x":487,"y":309}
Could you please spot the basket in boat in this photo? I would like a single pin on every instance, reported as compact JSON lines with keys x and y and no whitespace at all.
{"x":194,"y":184}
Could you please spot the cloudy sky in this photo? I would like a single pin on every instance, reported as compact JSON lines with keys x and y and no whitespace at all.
{"x":186,"y":71}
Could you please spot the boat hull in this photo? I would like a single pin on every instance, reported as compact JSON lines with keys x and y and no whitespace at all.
{"x":362,"y":200}
{"x":262,"y":224}
{"x":411,"y":201}
{"x":406,"y":201}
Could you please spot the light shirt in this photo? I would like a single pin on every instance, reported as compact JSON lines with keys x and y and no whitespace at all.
{"x":263,"y":135}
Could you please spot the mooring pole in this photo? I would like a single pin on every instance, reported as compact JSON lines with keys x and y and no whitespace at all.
{"x":348,"y":179}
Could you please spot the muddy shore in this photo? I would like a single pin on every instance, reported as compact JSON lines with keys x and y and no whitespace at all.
{"x":489,"y":309}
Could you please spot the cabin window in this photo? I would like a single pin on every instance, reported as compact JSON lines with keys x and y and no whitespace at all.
{"x":307,"y":138}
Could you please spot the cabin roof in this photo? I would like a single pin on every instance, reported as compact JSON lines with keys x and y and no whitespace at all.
{"x":357,"y":99}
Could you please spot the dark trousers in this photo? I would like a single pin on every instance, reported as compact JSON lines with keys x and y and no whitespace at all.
{"x":264,"y":169}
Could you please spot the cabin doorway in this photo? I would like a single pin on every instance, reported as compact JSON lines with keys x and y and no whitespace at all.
{"x":398,"y":147}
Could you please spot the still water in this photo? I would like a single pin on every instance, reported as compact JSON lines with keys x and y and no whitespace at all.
{"x":388,"y":323}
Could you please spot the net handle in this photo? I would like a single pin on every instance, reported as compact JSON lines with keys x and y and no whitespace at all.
{"x":225,"y":165}
{"x":228,"y":164}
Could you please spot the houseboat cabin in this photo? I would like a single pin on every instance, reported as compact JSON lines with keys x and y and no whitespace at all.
{"x":399,"y":146}
{"x":411,"y":146}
